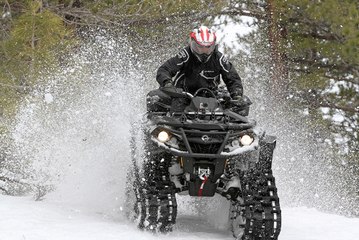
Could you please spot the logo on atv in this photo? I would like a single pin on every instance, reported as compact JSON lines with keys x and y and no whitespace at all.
{"x":205,"y":138}
{"x":203,"y":172}
{"x":203,"y":106}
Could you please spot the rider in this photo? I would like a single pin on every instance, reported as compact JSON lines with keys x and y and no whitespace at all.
{"x":199,"y":65}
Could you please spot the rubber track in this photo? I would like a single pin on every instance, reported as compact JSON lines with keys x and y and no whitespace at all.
{"x":156,"y":197}
{"x":261,"y":205}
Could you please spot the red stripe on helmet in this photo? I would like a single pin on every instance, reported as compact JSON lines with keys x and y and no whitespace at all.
{"x":202,"y":34}
{"x":207,"y":34}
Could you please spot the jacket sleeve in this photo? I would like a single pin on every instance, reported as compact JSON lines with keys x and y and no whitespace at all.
{"x":171,"y":67}
{"x":230,"y":77}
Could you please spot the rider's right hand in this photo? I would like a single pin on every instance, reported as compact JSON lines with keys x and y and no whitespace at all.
{"x":238,"y":101}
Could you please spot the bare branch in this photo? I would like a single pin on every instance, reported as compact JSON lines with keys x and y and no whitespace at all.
{"x":248,"y":13}
{"x":318,"y":63}
{"x":351,"y":80}
{"x":4,"y":190}
{"x":87,"y":18}
{"x":22,"y":88}
{"x":344,"y":108}
{"x":317,"y":35}
{"x":7,"y":179}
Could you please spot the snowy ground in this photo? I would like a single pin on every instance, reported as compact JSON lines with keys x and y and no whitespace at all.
{"x":21,"y":218}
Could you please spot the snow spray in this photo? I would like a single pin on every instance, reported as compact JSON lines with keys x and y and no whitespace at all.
{"x":75,"y":131}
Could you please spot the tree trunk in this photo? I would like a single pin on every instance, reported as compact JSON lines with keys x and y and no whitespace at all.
{"x":32,"y":59}
{"x":279,"y":73}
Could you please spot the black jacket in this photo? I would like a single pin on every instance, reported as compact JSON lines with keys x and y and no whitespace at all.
{"x":187,"y":72}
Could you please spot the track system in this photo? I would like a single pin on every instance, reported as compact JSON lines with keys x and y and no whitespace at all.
{"x":257,"y":216}
{"x":156,"y":206}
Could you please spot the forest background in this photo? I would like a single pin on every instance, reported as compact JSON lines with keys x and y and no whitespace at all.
{"x":310,"y":49}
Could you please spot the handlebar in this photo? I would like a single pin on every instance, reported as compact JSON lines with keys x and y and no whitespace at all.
{"x":202,"y":90}
{"x":179,"y":93}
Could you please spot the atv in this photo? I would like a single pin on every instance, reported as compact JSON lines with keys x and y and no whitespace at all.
{"x":208,"y":147}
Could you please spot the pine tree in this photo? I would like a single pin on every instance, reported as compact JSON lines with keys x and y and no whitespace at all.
{"x":35,"y":39}
{"x":322,"y":48}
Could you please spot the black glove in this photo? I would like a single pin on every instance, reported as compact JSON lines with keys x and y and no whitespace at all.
{"x":237,"y":98}
{"x":168,"y":87}
{"x":238,"y":101}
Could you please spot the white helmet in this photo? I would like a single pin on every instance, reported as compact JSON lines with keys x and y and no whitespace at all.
{"x":203,"y":43}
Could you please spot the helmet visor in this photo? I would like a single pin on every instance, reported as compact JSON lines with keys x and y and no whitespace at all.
{"x":201,"y":49}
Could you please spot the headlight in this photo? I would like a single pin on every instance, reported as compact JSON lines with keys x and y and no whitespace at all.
{"x":246,"y":140}
{"x":163,"y":136}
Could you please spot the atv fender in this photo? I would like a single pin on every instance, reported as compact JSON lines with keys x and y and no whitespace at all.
{"x":267,"y":145}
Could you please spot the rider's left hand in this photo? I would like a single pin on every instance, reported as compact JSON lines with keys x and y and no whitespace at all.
{"x":237,"y":98}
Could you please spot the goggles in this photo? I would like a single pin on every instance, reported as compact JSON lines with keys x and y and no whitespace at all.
{"x":201,"y":49}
